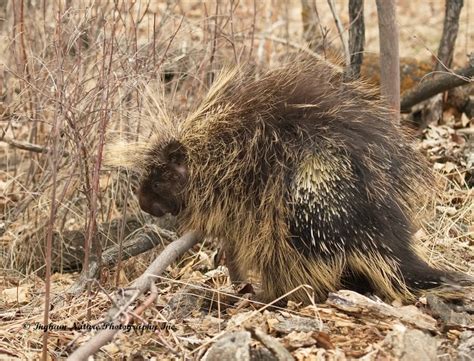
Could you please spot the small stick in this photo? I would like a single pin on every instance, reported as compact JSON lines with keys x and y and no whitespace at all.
{"x":169,"y":43}
{"x":271,"y":343}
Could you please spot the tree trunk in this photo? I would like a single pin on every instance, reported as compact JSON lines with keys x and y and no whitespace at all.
{"x":389,"y":56}
{"x":450,"y":33}
{"x":433,"y":112}
{"x":356,"y":38}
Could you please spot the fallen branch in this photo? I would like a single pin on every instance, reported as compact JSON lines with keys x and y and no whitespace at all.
{"x":169,"y":254}
{"x":30,"y":147}
{"x":465,"y":131}
{"x":362,"y":306}
{"x":24,"y":145}
{"x":125,"y":297}
{"x":142,"y":242}
{"x":69,"y":245}
{"x":441,"y":83}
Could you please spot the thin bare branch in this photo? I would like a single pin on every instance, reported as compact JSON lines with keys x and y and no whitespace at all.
{"x":342,"y":33}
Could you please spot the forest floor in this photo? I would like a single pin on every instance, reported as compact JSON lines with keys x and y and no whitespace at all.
{"x":72,"y":77}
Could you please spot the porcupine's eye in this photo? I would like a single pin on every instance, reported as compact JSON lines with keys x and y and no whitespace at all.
{"x":155,"y":187}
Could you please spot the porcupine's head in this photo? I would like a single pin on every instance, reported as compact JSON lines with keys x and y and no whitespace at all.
{"x":164,"y":180}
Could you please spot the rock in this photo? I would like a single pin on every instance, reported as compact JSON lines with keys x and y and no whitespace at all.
{"x":466,"y":346}
{"x":298,"y":324}
{"x":262,"y":354}
{"x":447,"y":314}
{"x":232,"y":346}
{"x":409,"y":344}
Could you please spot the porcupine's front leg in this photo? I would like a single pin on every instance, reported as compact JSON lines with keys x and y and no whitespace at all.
{"x":235,"y":271}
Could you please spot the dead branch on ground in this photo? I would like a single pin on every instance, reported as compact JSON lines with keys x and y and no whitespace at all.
{"x":439,"y":84}
{"x":142,"y":242}
{"x":24,"y":145}
{"x":124,"y":298}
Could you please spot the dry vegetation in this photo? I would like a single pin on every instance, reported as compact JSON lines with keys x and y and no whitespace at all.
{"x":74,"y":75}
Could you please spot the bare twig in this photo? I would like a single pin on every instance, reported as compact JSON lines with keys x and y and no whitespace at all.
{"x":214,"y":43}
{"x":26,"y":65}
{"x":311,"y":26}
{"x":342,"y":33}
{"x":169,"y":43}
{"x":271,"y":343}
{"x":300,"y":47}
{"x":148,"y":302}
{"x":122,"y":233}
{"x":92,"y":225}
{"x":232,"y":33}
{"x":106,"y":69}
{"x":252,"y":36}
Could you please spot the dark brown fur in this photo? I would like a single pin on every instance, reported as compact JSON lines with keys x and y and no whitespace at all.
{"x":160,"y":192}
{"x":302,"y":177}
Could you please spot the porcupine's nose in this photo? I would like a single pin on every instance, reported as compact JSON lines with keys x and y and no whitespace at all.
{"x":150,"y":206}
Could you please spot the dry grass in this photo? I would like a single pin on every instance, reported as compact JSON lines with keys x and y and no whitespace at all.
{"x":72,"y":78}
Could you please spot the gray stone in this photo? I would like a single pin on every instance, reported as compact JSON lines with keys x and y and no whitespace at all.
{"x":230,"y":347}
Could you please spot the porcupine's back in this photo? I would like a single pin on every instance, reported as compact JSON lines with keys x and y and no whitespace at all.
{"x":299,"y":160}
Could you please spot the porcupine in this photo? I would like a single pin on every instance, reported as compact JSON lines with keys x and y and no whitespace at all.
{"x":303,"y":177}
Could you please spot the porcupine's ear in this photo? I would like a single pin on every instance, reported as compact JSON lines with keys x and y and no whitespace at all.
{"x":175,"y":154}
